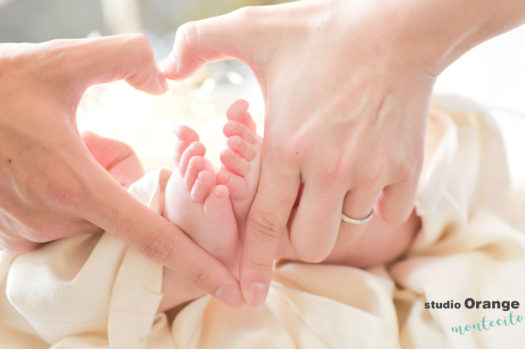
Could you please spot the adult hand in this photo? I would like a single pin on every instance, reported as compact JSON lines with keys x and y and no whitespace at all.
{"x":51,"y":186}
{"x":346,"y":85}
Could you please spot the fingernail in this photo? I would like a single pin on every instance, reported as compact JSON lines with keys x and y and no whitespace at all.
{"x":256,"y":294}
{"x":230,"y":296}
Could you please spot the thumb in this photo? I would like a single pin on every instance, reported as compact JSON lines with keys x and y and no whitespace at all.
{"x":78,"y":64}
{"x":267,"y":224}
{"x":233,"y":35}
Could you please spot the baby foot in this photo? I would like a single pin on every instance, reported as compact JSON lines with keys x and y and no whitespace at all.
{"x":196,"y":204}
{"x":241,"y":160}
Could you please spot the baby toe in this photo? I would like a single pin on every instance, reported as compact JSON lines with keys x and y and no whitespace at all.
{"x":203,"y":186}
{"x":217,"y":202}
{"x":238,"y":111}
{"x":185,"y":136}
{"x":237,"y":185}
{"x":241,"y":147}
{"x":195,"y":166}
{"x":235,"y":128}
{"x":234,"y":162}
{"x":194,"y":149}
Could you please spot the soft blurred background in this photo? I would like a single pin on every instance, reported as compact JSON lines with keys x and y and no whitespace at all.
{"x":41,"y":20}
{"x":492,"y":74}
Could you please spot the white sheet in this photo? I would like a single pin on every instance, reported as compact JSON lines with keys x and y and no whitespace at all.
{"x":95,"y":292}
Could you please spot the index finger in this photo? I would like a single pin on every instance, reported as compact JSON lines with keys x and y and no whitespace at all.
{"x":80,"y":63}
{"x":117,"y":212}
{"x":267,"y":221}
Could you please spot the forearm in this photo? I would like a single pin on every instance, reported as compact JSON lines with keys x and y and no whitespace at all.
{"x":429,"y":33}
{"x":443,"y":30}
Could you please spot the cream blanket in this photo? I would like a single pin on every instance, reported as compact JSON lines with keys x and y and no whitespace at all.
{"x":93,"y":291}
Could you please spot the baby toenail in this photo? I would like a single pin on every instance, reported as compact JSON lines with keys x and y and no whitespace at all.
{"x":220,"y":191}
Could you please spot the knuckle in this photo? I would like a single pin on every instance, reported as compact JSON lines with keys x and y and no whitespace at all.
{"x":258,"y":264}
{"x":265,"y":228}
{"x":337,"y":171}
{"x":159,"y":248}
{"x":335,"y":174}
{"x":201,"y":277}
{"x":372,"y":175}
{"x":248,"y":13}
{"x":187,"y":33}
{"x":141,"y":48}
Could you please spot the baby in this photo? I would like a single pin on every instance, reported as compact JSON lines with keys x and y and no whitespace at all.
{"x":95,"y":291}
{"x":212,"y":208}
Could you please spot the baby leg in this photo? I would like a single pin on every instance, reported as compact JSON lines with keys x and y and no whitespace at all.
{"x":202,"y":209}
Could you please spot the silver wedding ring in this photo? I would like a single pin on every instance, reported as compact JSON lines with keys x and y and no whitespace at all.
{"x":357,"y":221}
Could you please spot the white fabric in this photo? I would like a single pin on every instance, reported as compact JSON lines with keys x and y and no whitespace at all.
{"x":96,"y":292}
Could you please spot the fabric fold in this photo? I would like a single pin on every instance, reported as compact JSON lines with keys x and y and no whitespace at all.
{"x":94,"y":291}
